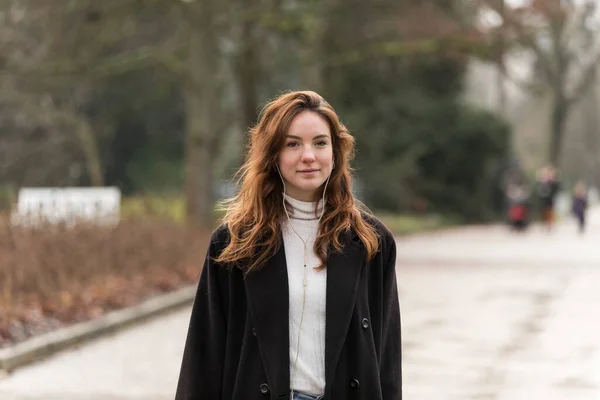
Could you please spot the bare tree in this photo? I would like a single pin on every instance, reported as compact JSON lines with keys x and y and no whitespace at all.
{"x":555,"y":32}
{"x":23,"y":44}
{"x":91,"y":40}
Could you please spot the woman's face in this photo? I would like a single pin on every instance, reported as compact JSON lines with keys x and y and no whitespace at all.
{"x":307,"y":156}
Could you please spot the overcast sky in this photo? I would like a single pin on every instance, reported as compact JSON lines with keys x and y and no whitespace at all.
{"x":490,"y":19}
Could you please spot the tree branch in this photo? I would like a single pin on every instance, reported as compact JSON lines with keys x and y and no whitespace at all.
{"x":513,"y":20}
{"x":137,"y":59}
{"x":575,"y":91}
{"x":48,"y":113}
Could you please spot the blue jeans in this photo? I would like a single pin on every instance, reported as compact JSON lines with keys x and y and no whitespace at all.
{"x":304,"y":396}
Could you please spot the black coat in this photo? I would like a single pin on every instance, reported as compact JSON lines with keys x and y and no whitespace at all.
{"x":237,"y":345}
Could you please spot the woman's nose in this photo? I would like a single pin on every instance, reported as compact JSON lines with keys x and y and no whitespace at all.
{"x":308,"y":155}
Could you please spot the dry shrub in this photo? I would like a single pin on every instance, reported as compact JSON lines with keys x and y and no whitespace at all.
{"x":53,"y":275}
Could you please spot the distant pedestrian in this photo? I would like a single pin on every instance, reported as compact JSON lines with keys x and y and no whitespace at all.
{"x":518,"y":205}
{"x":580,"y":204}
{"x":547,"y":190}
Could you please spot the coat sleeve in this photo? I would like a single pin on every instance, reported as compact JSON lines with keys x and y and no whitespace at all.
{"x":201,"y":372}
{"x":391,"y":358}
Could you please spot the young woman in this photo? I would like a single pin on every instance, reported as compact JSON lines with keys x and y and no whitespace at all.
{"x":297,"y":298}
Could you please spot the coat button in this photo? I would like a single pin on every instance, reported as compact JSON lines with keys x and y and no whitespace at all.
{"x":254,"y":331}
{"x":365,"y":323}
{"x":354,"y":384}
{"x":264,"y":389}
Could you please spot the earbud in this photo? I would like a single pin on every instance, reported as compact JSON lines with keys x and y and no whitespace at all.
{"x":282,"y":180}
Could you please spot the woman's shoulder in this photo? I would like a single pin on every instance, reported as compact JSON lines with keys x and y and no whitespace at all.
{"x":387,"y":244}
{"x":220,"y":236}
{"x":382,"y":231}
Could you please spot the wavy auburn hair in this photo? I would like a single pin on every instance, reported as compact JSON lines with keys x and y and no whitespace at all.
{"x":253,"y":217}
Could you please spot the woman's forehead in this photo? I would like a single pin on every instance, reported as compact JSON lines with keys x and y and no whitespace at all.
{"x":309,"y":123}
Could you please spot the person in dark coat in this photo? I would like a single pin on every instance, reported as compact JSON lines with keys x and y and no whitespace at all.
{"x":548,"y":188}
{"x":580,"y":204}
{"x":298,"y":297}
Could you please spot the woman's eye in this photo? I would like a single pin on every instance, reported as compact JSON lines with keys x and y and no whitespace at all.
{"x":322,"y":143}
{"x":292,"y":144}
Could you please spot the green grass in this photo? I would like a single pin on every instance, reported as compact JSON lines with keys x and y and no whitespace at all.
{"x":167,"y":207}
{"x":172,"y":208}
{"x":406,"y":224}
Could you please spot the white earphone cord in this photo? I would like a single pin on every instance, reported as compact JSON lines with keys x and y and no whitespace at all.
{"x":304,"y":280}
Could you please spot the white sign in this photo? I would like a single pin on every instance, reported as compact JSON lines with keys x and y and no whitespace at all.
{"x":67,"y":205}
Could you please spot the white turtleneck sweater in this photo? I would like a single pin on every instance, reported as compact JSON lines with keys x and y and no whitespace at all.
{"x":309,"y":374}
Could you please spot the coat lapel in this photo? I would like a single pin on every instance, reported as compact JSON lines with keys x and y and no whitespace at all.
{"x":267,"y":291}
{"x":343,"y":275}
{"x":268,"y":297}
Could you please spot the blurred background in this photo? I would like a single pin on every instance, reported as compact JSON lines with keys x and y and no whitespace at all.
{"x":451,"y":102}
{"x":155,"y":96}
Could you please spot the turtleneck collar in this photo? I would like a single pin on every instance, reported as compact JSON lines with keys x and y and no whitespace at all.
{"x":303,"y":210}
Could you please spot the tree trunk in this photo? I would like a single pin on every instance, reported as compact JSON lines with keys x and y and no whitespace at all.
{"x":559,"y":119}
{"x":501,"y":64}
{"x":248,"y":71}
{"x":87,"y":140}
{"x":92,"y":155}
{"x":311,"y":75}
{"x":311,"y":52}
{"x":200,"y":100}
{"x":592,"y":161}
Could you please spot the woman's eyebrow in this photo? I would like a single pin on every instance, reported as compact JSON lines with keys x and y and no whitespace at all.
{"x":321,"y":136}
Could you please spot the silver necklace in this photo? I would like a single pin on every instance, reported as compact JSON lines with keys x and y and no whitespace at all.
{"x":304,"y":278}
